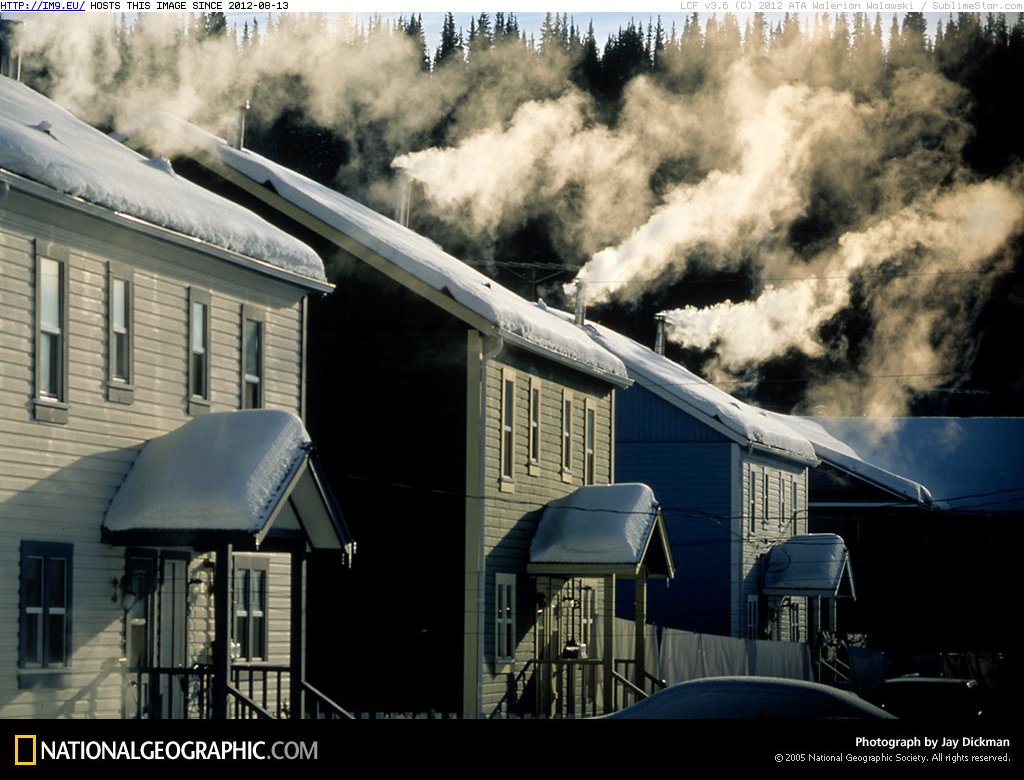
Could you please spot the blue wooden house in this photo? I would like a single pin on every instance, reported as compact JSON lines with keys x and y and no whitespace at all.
{"x":733,"y":482}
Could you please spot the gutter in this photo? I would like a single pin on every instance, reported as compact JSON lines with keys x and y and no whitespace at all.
{"x":564,"y":360}
{"x":169,"y":235}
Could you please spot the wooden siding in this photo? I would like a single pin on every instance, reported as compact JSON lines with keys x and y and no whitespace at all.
{"x":692,"y":482}
{"x":718,"y":557}
{"x":512,"y":515}
{"x":766,"y":530}
{"x":56,"y":480}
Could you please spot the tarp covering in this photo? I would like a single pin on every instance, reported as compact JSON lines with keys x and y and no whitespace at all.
{"x":688,"y":656}
{"x":220,"y":476}
{"x":603,"y":526}
{"x":808,"y":565}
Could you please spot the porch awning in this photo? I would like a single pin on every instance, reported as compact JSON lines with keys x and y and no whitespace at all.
{"x":244,"y":478}
{"x":603,"y":529}
{"x":809,"y":565}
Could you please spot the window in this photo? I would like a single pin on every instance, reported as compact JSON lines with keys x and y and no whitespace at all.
{"x":252,"y":358}
{"x":51,"y":356}
{"x":793,"y":505}
{"x":764,"y":500}
{"x":535,"y":414}
{"x":45,"y":614}
{"x":794,"y":621}
{"x":251,"y":607}
{"x":504,"y":618}
{"x":751,"y":499}
{"x":120,"y":324}
{"x":566,"y":436}
{"x":753,"y":618}
{"x":508,"y":418}
{"x":782,"y":502}
{"x":589,"y":436}
{"x":199,"y":351}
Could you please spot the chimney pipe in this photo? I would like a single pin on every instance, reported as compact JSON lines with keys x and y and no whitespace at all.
{"x":243,"y":111}
{"x":10,"y":57}
{"x":659,"y":333}
{"x":402,"y":199}
{"x":581,"y":305}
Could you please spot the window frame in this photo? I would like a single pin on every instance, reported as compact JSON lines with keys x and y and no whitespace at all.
{"x":51,"y":389}
{"x":535,"y":444}
{"x":504,"y":618}
{"x":752,"y":500}
{"x":46,"y":551}
{"x":256,"y":316}
{"x":589,"y":443}
{"x":247,"y":565}
{"x":568,"y":430}
{"x":507,"y":428}
{"x":198,"y":403}
{"x":782,"y":501}
{"x":120,"y":389}
{"x":764,"y":498}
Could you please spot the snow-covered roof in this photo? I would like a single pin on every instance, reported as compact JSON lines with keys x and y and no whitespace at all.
{"x":222,"y":473}
{"x":687,"y":391}
{"x":808,"y":565}
{"x":609,"y":525}
{"x":860,"y":462}
{"x":530,"y":325}
{"x":973,"y":464}
{"x":43,"y":142}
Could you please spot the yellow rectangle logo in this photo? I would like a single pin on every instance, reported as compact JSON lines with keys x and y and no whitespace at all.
{"x":21,"y":745}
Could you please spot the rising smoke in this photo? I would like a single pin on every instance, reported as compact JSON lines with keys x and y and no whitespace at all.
{"x":795,"y":167}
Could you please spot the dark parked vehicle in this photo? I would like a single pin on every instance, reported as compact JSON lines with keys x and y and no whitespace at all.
{"x":746,"y":698}
{"x":931,"y":698}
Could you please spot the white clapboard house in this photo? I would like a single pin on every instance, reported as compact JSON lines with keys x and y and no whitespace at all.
{"x":158,"y":493}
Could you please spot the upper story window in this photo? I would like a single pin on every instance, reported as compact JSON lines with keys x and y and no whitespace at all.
{"x":252,"y":358}
{"x":589,"y":446}
{"x":199,"y":350}
{"x":567,"y":433}
{"x":508,"y":418}
{"x":782,"y":502}
{"x":764,"y":500}
{"x":44,"y":630}
{"x":120,"y":325}
{"x":51,"y":358}
{"x":535,"y":431}
{"x":751,"y":500}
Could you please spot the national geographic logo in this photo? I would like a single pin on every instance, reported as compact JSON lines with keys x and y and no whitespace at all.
{"x":24,"y":749}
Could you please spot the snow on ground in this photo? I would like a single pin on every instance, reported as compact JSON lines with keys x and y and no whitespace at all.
{"x":41,"y":141}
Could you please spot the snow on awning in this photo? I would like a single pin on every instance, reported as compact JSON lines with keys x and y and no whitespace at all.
{"x":227,"y":478}
{"x":809,"y":565}
{"x":600,"y":530}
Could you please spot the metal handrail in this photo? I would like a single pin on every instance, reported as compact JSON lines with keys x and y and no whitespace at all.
{"x":321,"y":698}
{"x":241,"y":698}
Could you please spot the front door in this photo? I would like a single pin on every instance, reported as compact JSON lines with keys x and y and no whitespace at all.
{"x":172,"y":640}
{"x":155,"y":599}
